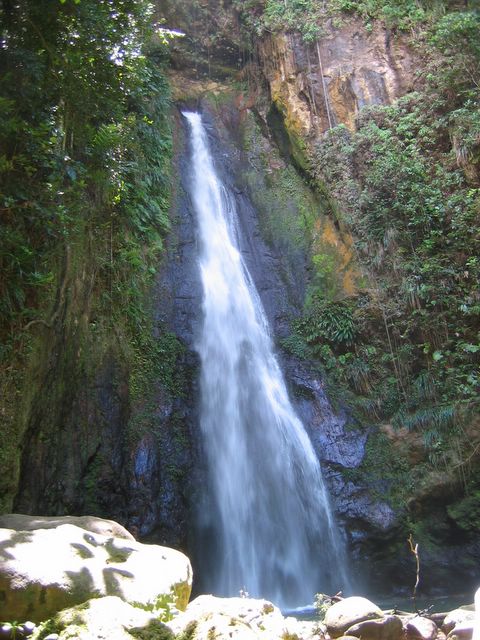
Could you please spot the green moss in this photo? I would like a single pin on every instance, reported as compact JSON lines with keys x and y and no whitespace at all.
{"x":155,"y":360}
{"x":46,"y":628}
{"x":90,"y":486}
{"x":182,"y":592}
{"x":289,"y":211}
{"x":385,"y":471}
{"x":299,"y":151}
{"x":188,"y":632}
{"x":155,"y":630}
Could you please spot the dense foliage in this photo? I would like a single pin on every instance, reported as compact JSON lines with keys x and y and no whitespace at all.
{"x":85,"y":148}
{"x":307,"y":16}
{"x":85,"y":155}
{"x":407,"y":181}
{"x":404,"y":350}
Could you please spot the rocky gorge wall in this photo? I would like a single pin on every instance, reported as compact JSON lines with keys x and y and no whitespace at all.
{"x":283,"y":98}
{"x":96,"y":444}
{"x":116,"y":435}
{"x":322,"y":84}
{"x":281,"y":284}
{"x":98,"y":436}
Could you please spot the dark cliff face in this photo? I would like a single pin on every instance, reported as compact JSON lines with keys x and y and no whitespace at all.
{"x":105,"y":430}
{"x":340,"y":444}
{"x":74,"y":411}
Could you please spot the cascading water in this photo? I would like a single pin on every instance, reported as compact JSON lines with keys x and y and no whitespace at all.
{"x":275,"y":533}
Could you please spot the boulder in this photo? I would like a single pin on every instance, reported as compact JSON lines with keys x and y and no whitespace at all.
{"x":462,"y":631}
{"x":21,"y":522}
{"x":349,"y":612}
{"x":457,"y":617}
{"x":476,"y":622}
{"x":243,"y":618}
{"x":420,"y":628}
{"x":45,"y":570}
{"x":108,"y":617}
{"x":387,"y":628}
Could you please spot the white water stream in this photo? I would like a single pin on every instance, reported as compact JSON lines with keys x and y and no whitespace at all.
{"x":275,"y":536}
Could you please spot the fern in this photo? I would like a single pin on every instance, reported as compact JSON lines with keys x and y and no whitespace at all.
{"x":332,"y":321}
{"x":107,"y":137}
{"x":437,"y":418}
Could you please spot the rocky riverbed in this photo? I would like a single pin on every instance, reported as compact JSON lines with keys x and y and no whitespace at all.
{"x":87,"y":578}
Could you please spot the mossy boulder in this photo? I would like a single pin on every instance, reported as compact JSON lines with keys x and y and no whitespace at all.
{"x":45,"y":570}
{"x":108,"y":617}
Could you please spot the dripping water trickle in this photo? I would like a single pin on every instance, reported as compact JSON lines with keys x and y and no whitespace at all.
{"x":275,"y":532}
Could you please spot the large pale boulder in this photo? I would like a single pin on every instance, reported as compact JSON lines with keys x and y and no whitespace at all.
{"x":22,"y":522}
{"x":108,"y":617}
{"x":344,"y":614}
{"x":457,"y":617}
{"x":45,"y":570}
{"x":462,"y":631}
{"x":241,"y":618}
{"x":387,"y":628}
{"x":476,"y":622}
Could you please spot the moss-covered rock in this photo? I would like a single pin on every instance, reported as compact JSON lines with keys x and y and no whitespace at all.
{"x":34,"y":583}
{"x":108,"y":617}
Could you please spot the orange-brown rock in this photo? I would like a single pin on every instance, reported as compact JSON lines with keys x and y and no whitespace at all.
{"x":326,"y":82}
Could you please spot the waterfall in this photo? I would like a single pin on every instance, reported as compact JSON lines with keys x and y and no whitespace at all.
{"x":275,"y":535}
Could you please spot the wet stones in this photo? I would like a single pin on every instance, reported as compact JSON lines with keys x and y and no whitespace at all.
{"x":387,"y":628}
{"x":419,"y":628}
{"x":349,"y":612}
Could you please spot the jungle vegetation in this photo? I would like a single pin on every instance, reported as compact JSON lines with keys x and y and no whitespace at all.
{"x":85,"y":161}
{"x":85,"y":179}
{"x":405,"y":349}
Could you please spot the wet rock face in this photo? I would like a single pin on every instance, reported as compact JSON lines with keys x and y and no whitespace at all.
{"x":339,"y":445}
{"x":178,"y":292}
{"x":335,"y":443}
{"x":326,"y":83}
{"x":73,"y":460}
